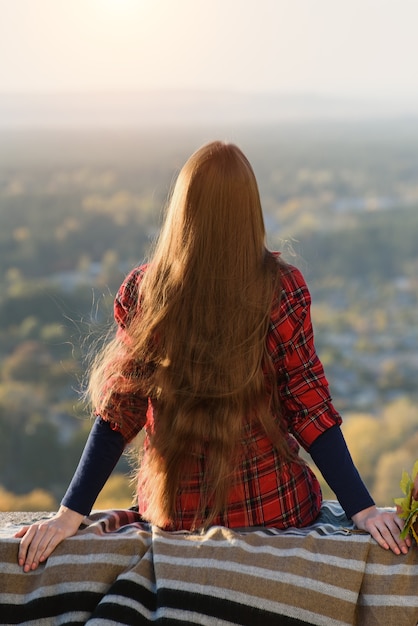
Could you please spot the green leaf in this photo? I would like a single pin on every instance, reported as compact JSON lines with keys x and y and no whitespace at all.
{"x":405,"y":483}
{"x":403,"y":503}
{"x":407,"y":505}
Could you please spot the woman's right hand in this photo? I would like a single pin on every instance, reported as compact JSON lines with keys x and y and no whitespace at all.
{"x":39,"y":540}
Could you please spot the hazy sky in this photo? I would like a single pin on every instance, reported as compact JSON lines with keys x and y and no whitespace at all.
{"x":341,"y":47}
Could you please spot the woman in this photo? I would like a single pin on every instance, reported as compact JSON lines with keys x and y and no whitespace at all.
{"x":214,"y":357}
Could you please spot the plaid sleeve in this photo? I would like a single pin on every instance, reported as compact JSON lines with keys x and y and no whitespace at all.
{"x":126,"y":301}
{"x":303,"y":387}
{"x":126,"y":411}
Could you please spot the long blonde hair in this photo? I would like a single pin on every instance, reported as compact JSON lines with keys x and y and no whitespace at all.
{"x":197,"y":341}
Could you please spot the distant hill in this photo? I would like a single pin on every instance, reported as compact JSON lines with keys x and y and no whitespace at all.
{"x":153,"y":108}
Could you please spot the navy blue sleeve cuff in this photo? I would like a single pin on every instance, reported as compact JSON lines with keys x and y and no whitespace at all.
{"x":102,"y":451}
{"x":332,"y":457}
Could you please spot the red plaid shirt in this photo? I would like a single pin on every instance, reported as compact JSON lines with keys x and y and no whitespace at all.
{"x":267,"y":492}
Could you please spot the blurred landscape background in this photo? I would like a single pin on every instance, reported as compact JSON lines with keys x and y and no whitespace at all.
{"x":90,"y":144}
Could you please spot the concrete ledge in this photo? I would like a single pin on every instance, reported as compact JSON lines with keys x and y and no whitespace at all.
{"x":22,"y":517}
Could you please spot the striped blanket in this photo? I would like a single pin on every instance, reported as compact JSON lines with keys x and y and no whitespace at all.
{"x":117,"y":570}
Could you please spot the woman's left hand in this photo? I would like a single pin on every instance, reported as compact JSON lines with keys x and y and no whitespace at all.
{"x":385,"y":527}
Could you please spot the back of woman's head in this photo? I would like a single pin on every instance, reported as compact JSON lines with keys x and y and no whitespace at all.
{"x":214,"y":214}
